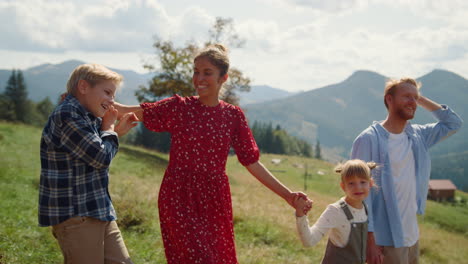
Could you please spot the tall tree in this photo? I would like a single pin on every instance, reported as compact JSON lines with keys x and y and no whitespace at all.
{"x":223,"y":31}
{"x":278,"y":141}
{"x":268,"y":138}
{"x":44,"y":108}
{"x":16,"y":93}
{"x":318,"y":154}
{"x":6,"y":109}
{"x":174,"y":75}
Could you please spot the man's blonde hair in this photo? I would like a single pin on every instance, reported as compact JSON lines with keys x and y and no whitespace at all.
{"x":390,"y":86}
{"x":93,"y":74}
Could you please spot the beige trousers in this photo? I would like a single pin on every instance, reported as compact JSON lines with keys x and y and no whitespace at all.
{"x":86,"y":240}
{"x":403,"y":255}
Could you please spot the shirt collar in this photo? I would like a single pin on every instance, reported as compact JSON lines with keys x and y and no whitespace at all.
{"x":378,"y":126}
{"x":72,"y":100}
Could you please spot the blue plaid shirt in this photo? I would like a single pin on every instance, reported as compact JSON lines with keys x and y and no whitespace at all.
{"x":75,"y":159}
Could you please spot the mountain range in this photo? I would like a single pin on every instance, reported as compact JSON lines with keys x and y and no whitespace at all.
{"x":51,"y":79}
{"x":334,"y":114}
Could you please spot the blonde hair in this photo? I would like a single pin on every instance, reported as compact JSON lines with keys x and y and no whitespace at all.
{"x":217,"y":54}
{"x":391,"y":84}
{"x":93,"y":74}
{"x":357,"y":168}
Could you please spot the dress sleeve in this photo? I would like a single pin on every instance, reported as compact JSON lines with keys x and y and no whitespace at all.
{"x":243,"y":141}
{"x":162,"y":115}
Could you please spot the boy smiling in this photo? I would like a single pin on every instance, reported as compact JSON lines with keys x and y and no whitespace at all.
{"x":78,"y":144}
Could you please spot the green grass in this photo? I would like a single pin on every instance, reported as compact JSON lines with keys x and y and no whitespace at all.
{"x":21,"y":240}
{"x":448,"y":216}
{"x":264,"y":224}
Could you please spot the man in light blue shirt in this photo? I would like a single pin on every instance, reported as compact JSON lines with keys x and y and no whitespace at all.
{"x":401,"y":149}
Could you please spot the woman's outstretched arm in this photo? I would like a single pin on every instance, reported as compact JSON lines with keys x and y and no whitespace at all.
{"x":266,"y":178}
{"x":123,"y":109}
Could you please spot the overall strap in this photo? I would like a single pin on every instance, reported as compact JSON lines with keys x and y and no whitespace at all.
{"x":346,"y":210}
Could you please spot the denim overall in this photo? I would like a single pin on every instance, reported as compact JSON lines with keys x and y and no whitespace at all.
{"x":355,"y":251}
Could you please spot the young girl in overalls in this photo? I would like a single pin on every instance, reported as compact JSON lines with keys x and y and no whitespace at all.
{"x":346,"y":219}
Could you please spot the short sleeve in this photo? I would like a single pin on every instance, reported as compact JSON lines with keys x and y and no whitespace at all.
{"x":243,"y":141}
{"x":162,"y":115}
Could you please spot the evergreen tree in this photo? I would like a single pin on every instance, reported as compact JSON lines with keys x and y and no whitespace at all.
{"x":268,"y":139}
{"x":318,"y":154}
{"x":6,"y":109}
{"x":149,"y":139}
{"x":44,"y":108}
{"x":306,"y":149}
{"x":16,"y":93}
{"x":280,"y":142}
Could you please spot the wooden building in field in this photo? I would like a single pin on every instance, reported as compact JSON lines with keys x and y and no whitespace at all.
{"x":441,"y":190}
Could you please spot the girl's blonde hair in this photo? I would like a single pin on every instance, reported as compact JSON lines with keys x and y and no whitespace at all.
{"x":93,"y":74}
{"x":217,"y":54}
{"x":357,"y":168}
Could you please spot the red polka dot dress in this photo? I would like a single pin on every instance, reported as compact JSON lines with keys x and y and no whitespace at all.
{"x":194,"y":202}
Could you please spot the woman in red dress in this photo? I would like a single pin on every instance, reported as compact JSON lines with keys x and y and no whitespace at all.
{"x":194,"y":201}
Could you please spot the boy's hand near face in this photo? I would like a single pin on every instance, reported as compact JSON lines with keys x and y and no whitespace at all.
{"x":126,"y":122}
{"x":108,"y":120}
{"x":302,"y":206}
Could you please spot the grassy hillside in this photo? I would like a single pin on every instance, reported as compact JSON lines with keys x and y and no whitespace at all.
{"x":264,"y":224}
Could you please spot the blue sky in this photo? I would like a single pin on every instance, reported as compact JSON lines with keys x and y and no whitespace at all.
{"x":290,"y":44}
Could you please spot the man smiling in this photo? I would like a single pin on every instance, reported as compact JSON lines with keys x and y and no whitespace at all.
{"x":401,"y":148}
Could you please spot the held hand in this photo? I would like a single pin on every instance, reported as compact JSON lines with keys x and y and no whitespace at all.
{"x":374,"y":252}
{"x":108,"y":119}
{"x":123,"y":109}
{"x":302,"y":205}
{"x":292,"y":198}
{"x":127,"y":122}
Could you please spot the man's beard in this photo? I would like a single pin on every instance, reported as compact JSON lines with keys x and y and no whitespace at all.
{"x":405,"y":115}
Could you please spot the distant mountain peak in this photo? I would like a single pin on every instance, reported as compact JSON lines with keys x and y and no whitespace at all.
{"x":442,"y":75}
{"x":70,"y":63}
{"x":66,"y":66}
{"x":363,"y":76}
{"x":359,"y":74}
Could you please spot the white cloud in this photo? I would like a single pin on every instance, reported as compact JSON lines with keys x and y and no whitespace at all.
{"x":114,"y":25}
{"x":307,"y":44}
{"x":261,"y":35}
{"x":329,"y":5}
{"x":333,"y":7}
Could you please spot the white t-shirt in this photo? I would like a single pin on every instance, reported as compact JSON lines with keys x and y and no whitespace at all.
{"x":333,"y":219}
{"x":402,"y":167}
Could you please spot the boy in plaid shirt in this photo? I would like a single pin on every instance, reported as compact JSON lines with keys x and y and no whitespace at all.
{"x":78,"y":144}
